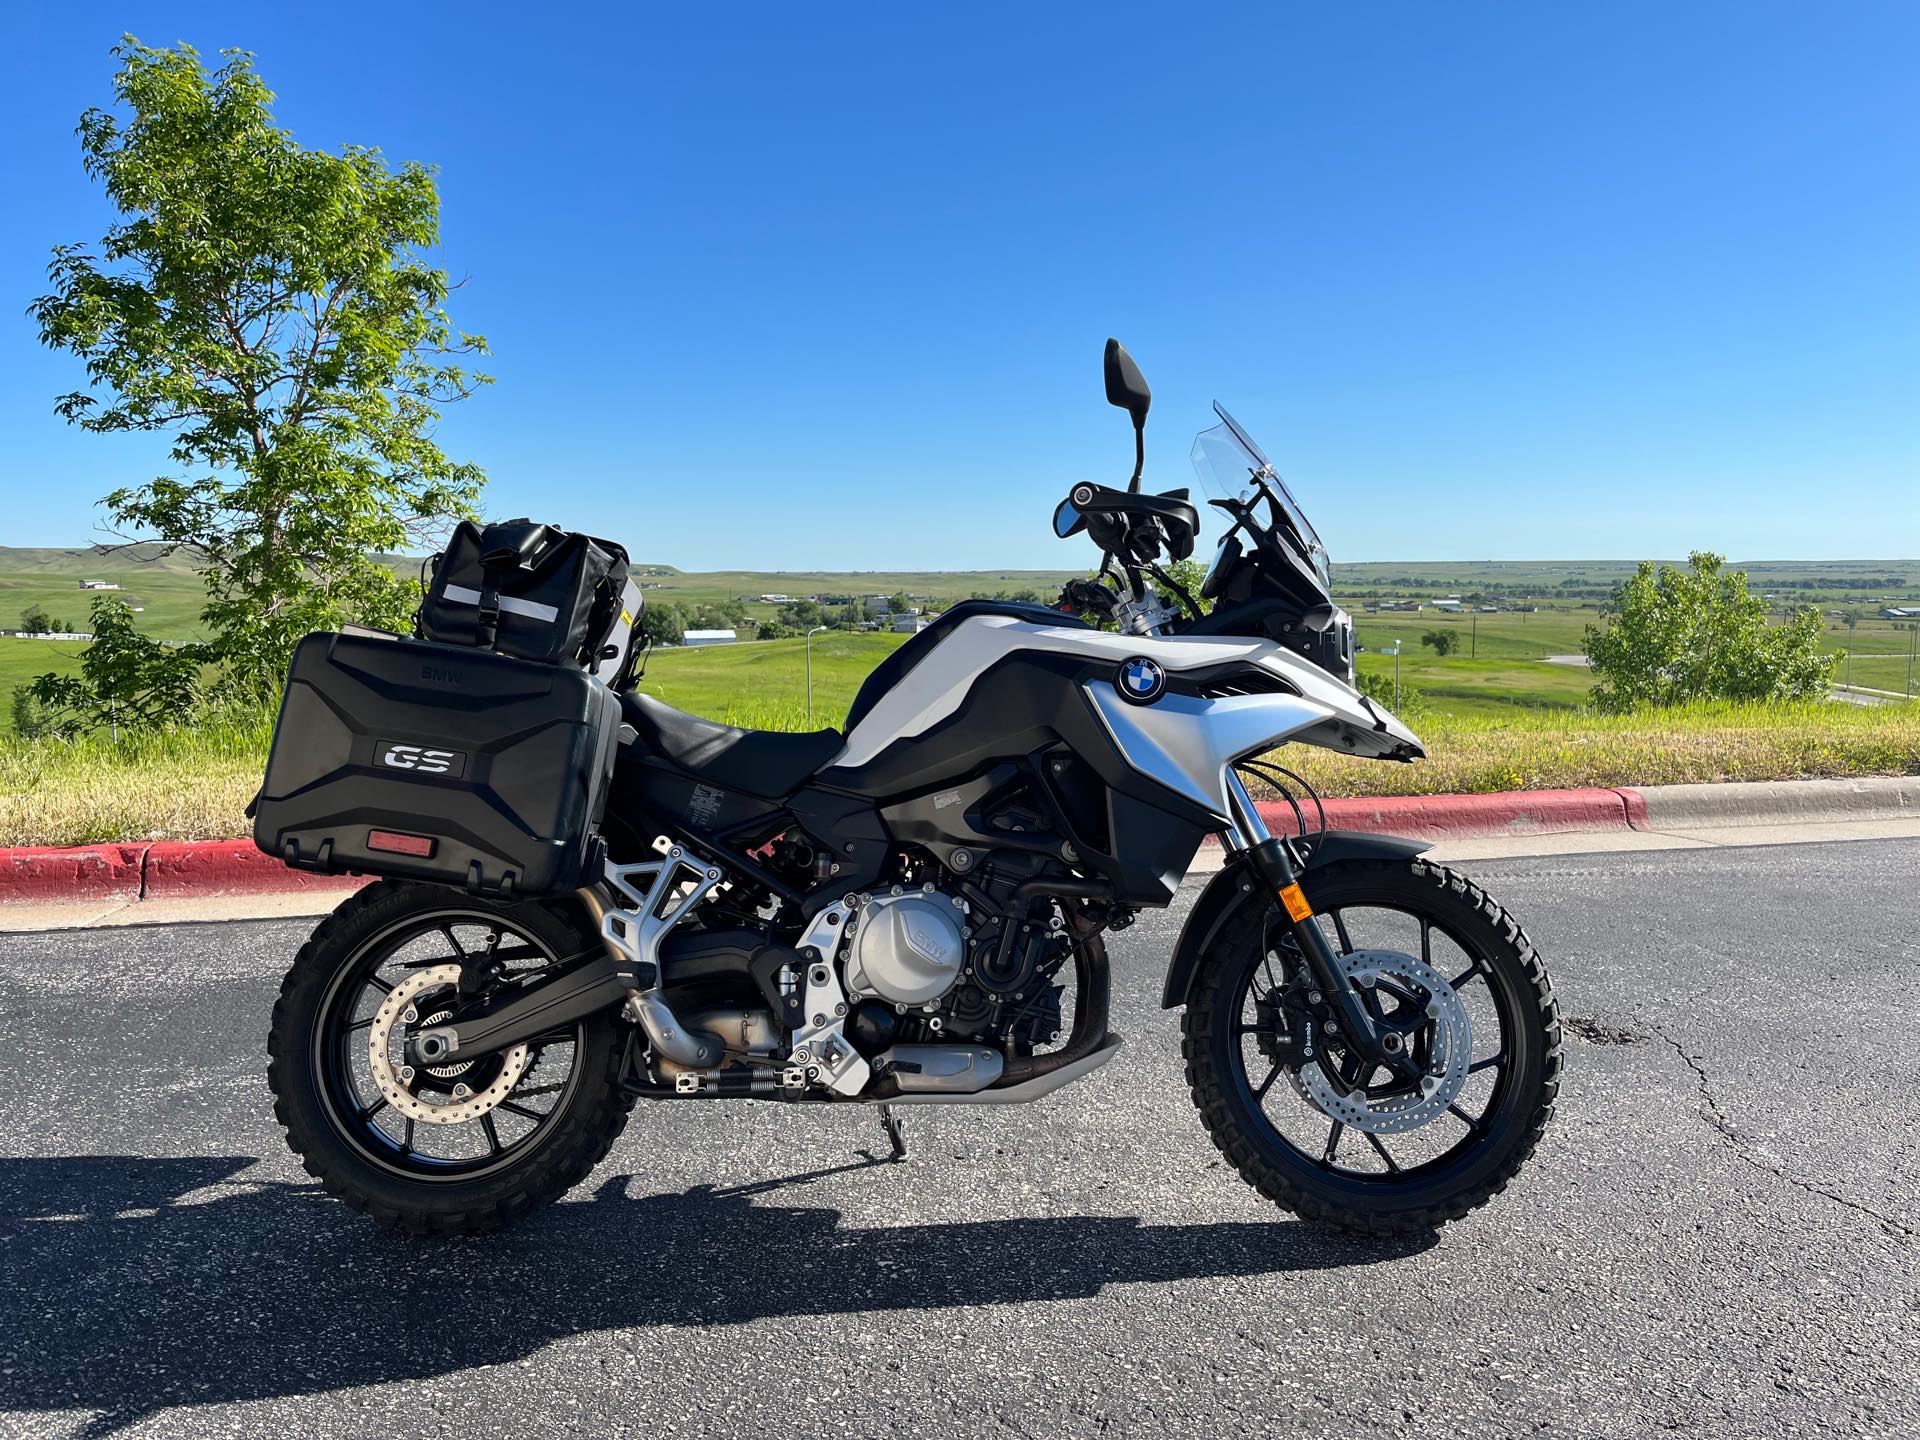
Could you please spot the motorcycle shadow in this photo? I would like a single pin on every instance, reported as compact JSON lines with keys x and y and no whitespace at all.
{"x":128,"y":1292}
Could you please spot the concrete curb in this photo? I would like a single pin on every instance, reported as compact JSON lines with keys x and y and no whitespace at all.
{"x":189,"y":869}
{"x":1681,"y":807}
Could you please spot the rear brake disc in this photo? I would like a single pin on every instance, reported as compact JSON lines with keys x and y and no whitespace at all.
{"x":397,"y":1084}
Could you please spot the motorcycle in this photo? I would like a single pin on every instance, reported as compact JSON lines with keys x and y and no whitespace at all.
{"x":911,"y":910}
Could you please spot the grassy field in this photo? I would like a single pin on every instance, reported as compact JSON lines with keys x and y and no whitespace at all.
{"x":1496,"y":715}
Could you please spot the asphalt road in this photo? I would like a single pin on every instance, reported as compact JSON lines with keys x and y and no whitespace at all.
{"x":1719,"y":1238}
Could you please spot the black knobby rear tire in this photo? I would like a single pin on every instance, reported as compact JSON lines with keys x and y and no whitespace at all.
{"x":1515,"y":1121}
{"x":574,"y":1136}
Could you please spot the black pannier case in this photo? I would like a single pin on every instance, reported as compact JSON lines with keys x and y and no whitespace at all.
{"x":431,"y":762}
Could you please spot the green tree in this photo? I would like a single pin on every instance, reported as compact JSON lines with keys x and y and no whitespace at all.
{"x":1442,"y":641}
{"x":898,"y":602}
{"x":663,"y":623}
{"x":126,"y":678}
{"x":32,"y":716}
{"x":272,"y":309}
{"x":1700,"y":633}
{"x":36,"y":621}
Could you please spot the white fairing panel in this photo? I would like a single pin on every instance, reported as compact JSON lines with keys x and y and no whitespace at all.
{"x":1180,"y":740}
{"x":1185,"y":742}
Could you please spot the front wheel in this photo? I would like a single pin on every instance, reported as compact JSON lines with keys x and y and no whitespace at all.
{"x":1319,"y":1130}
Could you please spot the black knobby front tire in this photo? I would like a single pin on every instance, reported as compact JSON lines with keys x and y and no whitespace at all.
{"x":1422,"y":1201}
{"x":575,"y":1137}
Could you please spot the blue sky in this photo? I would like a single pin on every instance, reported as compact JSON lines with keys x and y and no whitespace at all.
{"x":826,"y":286}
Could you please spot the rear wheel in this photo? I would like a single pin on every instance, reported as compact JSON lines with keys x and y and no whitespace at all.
{"x":455,"y":1149}
{"x":1341,"y":1142}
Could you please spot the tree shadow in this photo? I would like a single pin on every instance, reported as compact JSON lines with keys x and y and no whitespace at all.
{"x":121,"y":1301}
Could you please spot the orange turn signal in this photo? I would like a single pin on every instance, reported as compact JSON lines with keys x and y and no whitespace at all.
{"x":1296,"y":903}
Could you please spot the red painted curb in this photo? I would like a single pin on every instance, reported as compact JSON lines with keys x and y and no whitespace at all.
{"x":1444,"y":817}
{"x":85,"y":872}
{"x":176,"y":869}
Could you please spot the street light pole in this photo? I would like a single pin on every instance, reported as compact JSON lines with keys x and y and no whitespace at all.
{"x":809,"y":648}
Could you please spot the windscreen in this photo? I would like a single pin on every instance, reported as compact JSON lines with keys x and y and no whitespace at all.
{"x":1232,"y":467}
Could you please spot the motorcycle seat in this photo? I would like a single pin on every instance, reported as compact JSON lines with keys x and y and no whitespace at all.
{"x":769,"y":763}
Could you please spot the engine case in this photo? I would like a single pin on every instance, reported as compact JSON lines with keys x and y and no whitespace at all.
{"x":907,"y":949}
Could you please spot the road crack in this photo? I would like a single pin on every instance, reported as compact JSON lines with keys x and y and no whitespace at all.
{"x":1718,"y":1120}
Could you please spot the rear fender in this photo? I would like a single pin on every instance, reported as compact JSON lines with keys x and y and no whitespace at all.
{"x":1236,"y":885}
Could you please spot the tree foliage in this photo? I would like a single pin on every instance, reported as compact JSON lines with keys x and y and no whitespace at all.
{"x":1697,"y":634}
{"x":126,"y":678}
{"x":1442,"y":641}
{"x":272,"y":309}
{"x":36,"y":621}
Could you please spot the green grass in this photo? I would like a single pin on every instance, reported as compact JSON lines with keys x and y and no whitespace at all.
{"x":751,"y":683}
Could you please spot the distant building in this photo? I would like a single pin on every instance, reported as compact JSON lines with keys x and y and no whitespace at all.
{"x":98,"y":585}
{"x":708,"y":637}
{"x":1900,"y":612}
{"x":908,"y":622}
{"x":1450,"y":605}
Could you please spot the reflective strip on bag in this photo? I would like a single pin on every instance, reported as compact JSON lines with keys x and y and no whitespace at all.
{"x":531,"y":609}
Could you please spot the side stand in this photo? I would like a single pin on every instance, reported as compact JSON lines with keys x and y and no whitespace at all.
{"x":896,"y":1132}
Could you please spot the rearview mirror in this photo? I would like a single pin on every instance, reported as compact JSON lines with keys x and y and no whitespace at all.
{"x":1067,"y":520}
{"x":1126,"y":386}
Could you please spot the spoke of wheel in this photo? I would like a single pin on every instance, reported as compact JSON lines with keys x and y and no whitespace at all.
{"x":1333,"y":1144}
{"x":454,"y":940}
{"x":1381,"y":1150}
{"x":406,"y":1137}
{"x":1252,"y":1030}
{"x":360,"y":1024}
{"x":1340,"y":929}
{"x":1467,"y":976}
{"x":1267,"y":1084}
{"x":1426,"y":940}
{"x":522,"y":1111}
{"x":493,"y":1136}
{"x":372,"y":1110}
{"x":381,"y":985}
{"x":1464,"y":1118}
{"x":1492,"y":1062}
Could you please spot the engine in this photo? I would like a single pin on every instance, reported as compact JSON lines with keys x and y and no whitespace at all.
{"x":924,"y":965}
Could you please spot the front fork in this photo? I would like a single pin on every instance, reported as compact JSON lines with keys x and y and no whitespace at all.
{"x":1273,"y":860}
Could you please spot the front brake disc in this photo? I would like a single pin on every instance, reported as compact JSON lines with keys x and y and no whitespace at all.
{"x":1450,"y":1049}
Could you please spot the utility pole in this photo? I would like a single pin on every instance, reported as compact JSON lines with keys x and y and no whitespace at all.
{"x":1913,"y":648}
{"x":809,"y":648}
{"x":1473,"y":640}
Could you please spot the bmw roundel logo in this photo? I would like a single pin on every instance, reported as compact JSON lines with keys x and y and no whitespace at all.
{"x":1142,"y":680}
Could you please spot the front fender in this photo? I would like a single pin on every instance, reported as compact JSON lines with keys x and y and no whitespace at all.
{"x":1235,"y":885}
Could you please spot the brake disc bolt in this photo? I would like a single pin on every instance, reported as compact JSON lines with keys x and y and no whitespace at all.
{"x":410,"y":1015}
{"x":462,"y":1091}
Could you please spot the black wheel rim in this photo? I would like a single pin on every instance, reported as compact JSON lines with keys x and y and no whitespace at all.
{"x":372,"y":1127}
{"x":1347,"y":1155}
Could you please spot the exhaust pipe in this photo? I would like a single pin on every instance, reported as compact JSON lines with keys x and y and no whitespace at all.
{"x":696,"y":1050}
